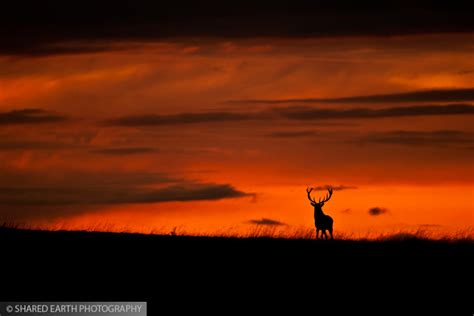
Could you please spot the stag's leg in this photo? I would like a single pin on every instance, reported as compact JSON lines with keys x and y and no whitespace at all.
{"x":324,"y":235}
{"x":317,"y":233}
{"x":330,"y":232}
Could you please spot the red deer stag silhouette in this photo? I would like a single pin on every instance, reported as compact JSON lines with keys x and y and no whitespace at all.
{"x":322,"y":221}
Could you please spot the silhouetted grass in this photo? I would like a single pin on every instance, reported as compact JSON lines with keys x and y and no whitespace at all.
{"x":260,"y":231}
{"x":84,"y":265}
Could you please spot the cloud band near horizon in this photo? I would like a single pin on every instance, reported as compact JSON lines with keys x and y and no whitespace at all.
{"x":433,"y":95}
{"x":41,"y":116}
{"x":292,"y":113}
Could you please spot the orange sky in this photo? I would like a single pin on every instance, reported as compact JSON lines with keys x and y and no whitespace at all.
{"x":417,"y":167}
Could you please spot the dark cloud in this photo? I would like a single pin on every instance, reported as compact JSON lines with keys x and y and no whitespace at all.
{"x":29,"y":116}
{"x":78,"y":195}
{"x":47,"y":27}
{"x":292,"y":113}
{"x":466,"y":72}
{"x":422,"y":138}
{"x":293,"y":134}
{"x":120,"y":151}
{"x":60,"y":194}
{"x":7,"y":144}
{"x":194,"y":192}
{"x":181,"y":118}
{"x":376,"y":211}
{"x":266,"y":222}
{"x":334,"y":187}
{"x":308,"y":113}
{"x":437,"y":95}
{"x":93,"y":194}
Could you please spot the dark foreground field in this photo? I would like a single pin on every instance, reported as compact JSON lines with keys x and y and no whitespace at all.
{"x":204,"y":274}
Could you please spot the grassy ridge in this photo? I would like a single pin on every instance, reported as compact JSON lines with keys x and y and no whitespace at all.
{"x":182,"y":272}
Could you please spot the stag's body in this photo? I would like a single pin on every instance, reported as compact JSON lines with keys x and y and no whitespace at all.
{"x":322,"y":222}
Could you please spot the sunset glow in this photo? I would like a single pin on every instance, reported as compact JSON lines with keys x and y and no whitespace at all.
{"x":214,"y":134}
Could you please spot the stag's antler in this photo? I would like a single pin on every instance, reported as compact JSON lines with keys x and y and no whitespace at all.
{"x":325,"y":199}
{"x":308,"y":190}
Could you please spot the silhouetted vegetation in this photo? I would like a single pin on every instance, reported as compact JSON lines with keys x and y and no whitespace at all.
{"x":160,"y":269}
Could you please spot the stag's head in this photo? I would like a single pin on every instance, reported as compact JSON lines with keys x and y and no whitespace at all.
{"x":320,"y":202}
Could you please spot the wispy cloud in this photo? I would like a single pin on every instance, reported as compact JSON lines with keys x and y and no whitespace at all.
{"x":121,"y":151}
{"x":13,"y":144}
{"x":334,"y":187}
{"x":309,"y":114}
{"x":181,"y":118}
{"x":435,"y":95}
{"x":29,"y":116}
{"x":291,"y":113}
{"x":293,"y":134}
{"x":266,"y":222}
{"x":422,"y":138}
